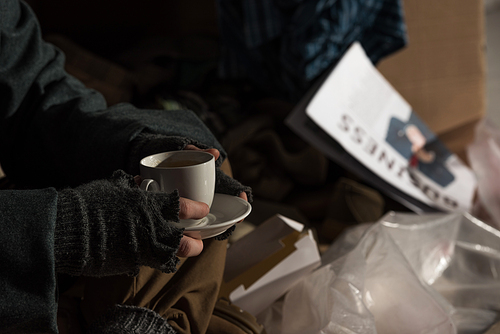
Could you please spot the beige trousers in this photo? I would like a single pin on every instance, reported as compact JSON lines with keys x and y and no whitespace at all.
{"x":186,"y":298}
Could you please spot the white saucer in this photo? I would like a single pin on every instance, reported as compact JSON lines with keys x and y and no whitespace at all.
{"x":226,"y":211}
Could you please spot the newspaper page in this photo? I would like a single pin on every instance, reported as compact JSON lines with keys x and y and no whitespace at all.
{"x":358,"y":108}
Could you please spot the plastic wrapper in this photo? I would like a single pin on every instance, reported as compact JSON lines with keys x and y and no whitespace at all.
{"x":484,"y":157}
{"x":407,"y":273}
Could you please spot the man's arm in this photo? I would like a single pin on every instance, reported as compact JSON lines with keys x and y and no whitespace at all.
{"x":51,"y":122}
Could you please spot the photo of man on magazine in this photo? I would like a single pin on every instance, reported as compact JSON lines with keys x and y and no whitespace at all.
{"x":417,"y":144}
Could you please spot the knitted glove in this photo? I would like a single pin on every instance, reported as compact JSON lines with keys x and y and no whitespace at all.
{"x":110,"y":227}
{"x":130,"y":320}
{"x":224,"y":184}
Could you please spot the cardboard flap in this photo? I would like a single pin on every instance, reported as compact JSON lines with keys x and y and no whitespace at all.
{"x":254,"y":273}
{"x":264,"y":264}
{"x":258,"y":245}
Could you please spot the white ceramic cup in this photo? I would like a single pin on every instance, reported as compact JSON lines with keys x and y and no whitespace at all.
{"x":191,"y":172}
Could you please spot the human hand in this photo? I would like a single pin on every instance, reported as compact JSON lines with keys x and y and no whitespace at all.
{"x":191,"y":210}
{"x":135,"y":228}
{"x":224,"y":184}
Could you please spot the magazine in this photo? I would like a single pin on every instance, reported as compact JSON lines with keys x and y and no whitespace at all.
{"x":357,"y":119}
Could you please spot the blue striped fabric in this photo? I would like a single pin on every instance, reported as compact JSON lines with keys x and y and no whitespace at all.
{"x":283,"y":45}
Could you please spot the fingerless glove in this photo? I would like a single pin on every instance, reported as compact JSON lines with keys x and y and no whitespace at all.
{"x":110,"y":227}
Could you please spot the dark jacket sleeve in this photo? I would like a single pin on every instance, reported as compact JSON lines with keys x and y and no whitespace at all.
{"x":50,"y":122}
{"x":54,"y":131}
{"x":27,"y":279}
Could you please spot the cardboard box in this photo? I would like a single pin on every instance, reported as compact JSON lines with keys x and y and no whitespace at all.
{"x":264,"y":264}
{"x":441,"y":72}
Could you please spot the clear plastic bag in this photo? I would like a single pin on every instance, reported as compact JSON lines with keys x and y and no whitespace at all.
{"x":484,"y":157}
{"x":407,"y":273}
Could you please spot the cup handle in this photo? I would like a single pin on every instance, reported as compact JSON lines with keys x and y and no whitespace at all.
{"x":150,"y":185}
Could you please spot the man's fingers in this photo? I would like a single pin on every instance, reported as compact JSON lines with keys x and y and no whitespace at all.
{"x":212,"y":151}
{"x":192,"y":210}
{"x":189,"y":247}
{"x":244,"y":196}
